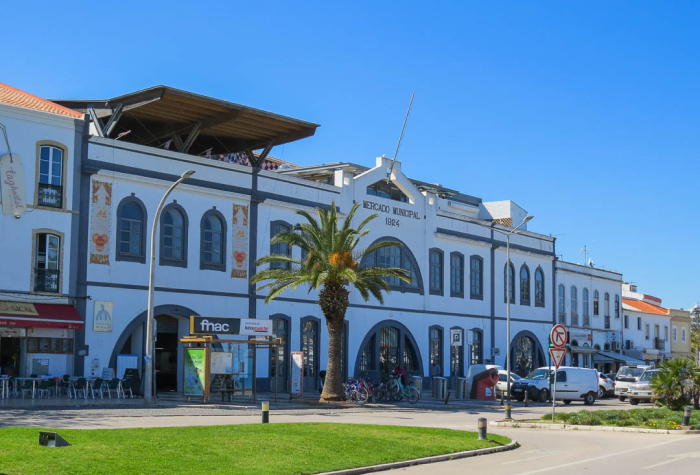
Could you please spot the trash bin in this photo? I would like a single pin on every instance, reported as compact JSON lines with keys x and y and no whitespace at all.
{"x":417,"y":381}
{"x":462,"y":386}
{"x":439,"y":387}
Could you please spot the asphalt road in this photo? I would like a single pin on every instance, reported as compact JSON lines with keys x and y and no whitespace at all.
{"x":541,"y":451}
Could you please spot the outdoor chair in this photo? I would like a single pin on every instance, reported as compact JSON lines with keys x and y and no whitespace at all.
{"x":96,"y":385}
{"x":13,"y":386}
{"x":114,"y":384}
{"x":33,"y":375}
{"x":44,"y":387}
{"x":65,"y":385}
{"x":26,"y":386}
{"x":80,"y":388}
{"x":128,"y":385}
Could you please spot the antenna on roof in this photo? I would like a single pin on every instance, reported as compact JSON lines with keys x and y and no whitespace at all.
{"x":584,"y":251}
{"x":393,"y":160}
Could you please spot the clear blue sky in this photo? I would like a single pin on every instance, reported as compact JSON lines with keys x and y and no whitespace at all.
{"x":585,"y":113}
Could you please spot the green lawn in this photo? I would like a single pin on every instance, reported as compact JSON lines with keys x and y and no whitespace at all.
{"x":645,"y":418}
{"x":241,"y":449}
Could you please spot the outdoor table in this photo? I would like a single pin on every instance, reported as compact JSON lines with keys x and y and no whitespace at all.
{"x":33,"y":380}
{"x":87,"y":382}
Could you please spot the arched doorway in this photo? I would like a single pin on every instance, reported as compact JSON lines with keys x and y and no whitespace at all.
{"x":526,"y":353}
{"x":309,"y":346}
{"x":386,"y":345}
{"x":172,"y":323}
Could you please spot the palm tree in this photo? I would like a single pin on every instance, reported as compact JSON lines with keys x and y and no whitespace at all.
{"x":331,"y":263}
{"x":674,"y":385}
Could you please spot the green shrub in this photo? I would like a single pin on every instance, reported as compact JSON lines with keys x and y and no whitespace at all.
{"x":585,"y":418}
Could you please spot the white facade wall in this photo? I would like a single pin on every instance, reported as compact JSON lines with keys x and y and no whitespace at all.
{"x":146,"y":172}
{"x":641,"y":344}
{"x":27,"y":130}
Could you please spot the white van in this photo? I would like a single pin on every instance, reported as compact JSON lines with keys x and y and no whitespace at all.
{"x":573,"y":384}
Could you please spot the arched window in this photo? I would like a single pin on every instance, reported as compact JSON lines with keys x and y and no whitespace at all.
{"x":49,"y":190}
{"x":131,"y":216}
{"x":477,"y":348}
{"x":396,"y":256}
{"x":456,"y":274}
{"x":617,"y":306}
{"x":510,"y":275}
{"x":527,"y":353}
{"x":596,"y":300}
{"x":607,"y":304}
{"x":585,"y":309}
{"x":279,"y":248}
{"x":539,"y":287}
{"x":574,"y":306}
{"x":385,"y":346}
{"x":173,"y":236}
{"x":524,"y":285}
{"x":213,"y":241}
{"x":476,"y":277}
{"x":562,"y":304}
{"x":436,"y":272}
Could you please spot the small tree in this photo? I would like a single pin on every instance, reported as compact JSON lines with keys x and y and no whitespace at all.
{"x":331,"y":264}
{"x":676,"y":383}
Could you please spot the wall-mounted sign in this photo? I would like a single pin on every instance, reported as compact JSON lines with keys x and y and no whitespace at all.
{"x":395,"y":210}
{"x":455,"y":337}
{"x":580,"y":336}
{"x":239,"y":250}
{"x":230,"y":326}
{"x":102,"y":316}
{"x":17,"y":308}
{"x":14,"y":197}
{"x":100,"y":222}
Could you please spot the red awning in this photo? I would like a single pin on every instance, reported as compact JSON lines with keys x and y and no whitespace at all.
{"x":49,"y":316}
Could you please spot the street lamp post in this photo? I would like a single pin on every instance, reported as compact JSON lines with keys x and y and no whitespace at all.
{"x":149,"y":366}
{"x":508,"y":287}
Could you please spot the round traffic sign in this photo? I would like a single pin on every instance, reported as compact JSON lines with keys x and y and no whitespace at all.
{"x":558,"y":336}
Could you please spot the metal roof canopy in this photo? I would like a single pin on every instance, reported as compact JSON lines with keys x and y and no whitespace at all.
{"x":195,"y":123}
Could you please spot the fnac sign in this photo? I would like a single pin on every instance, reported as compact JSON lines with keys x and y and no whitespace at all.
{"x":214,"y":326}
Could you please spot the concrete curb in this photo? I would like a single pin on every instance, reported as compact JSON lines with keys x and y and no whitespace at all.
{"x":539,"y":425}
{"x":437,"y":458}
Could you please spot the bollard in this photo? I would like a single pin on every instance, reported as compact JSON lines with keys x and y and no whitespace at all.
{"x":501,"y":398}
{"x":265,"y":412}
{"x":482,"y":428}
{"x":686,"y":416}
{"x":508,"y":417}
{"x":527,"y":399}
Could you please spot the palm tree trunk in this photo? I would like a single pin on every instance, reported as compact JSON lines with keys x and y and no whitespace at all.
{"x":334,"y":301}
{"x":333,"y":386}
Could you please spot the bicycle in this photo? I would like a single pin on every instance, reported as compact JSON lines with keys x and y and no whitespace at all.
{"x":355,"y":392}
{"x":399,"y":391}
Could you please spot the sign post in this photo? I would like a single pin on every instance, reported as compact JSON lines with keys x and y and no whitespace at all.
{"x":558,"y":339}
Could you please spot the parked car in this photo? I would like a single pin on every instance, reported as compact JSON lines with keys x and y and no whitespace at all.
{"x":573,"y":384}
{"x":502,"y":385}
{"x":606,"y":386}
{"x":625,"y":376}
{"x":641,"y":390}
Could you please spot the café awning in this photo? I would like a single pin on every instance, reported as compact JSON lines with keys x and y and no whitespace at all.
{"x":39,"y":315}
{"x":608,"y":357}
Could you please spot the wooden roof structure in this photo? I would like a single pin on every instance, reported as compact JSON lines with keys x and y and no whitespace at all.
{"x":194,"y":123}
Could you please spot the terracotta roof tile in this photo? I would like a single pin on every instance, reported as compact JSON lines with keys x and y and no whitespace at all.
{"x":15,"y":97}
{"x":645,"y":307}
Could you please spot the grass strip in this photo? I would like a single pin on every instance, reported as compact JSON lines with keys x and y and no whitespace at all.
{"x":260,"y":449}
{"x":659,"y":418}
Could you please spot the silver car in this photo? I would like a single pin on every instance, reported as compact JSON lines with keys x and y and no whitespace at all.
{"x":641,"y":390}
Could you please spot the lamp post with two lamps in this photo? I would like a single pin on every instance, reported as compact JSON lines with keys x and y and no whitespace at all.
{"x":508,"y":299}
{"x":148,"y":388}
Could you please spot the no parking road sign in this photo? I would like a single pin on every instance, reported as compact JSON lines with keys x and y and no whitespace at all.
{"x":558,"y":336}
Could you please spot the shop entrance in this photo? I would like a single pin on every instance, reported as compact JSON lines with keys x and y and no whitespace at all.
{"x":10,"y":356}
{"x":166,"y":353}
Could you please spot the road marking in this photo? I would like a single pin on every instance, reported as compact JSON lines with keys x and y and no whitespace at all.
{"x":547,"y":453}
{"x":674,"y":458}
{"x":601,"y":457}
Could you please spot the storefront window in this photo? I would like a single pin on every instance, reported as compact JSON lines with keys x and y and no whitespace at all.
{"x":388,"y":350}
{"x":525,"y":358}
{"x":60,"y":346}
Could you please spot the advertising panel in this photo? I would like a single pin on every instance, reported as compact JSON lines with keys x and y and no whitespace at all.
{"x":196,"y":372}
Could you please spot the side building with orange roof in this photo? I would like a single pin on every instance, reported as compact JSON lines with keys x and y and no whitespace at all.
{"x":41,"y":148}
{"x":646,"y":326}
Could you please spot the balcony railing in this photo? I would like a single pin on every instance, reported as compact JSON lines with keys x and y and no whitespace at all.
{"x":586,"y":321}
{"x":46,"y":280}
{"x":574,"y":319}
{"x":50,"y":195}
{"x":607,"y":323}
